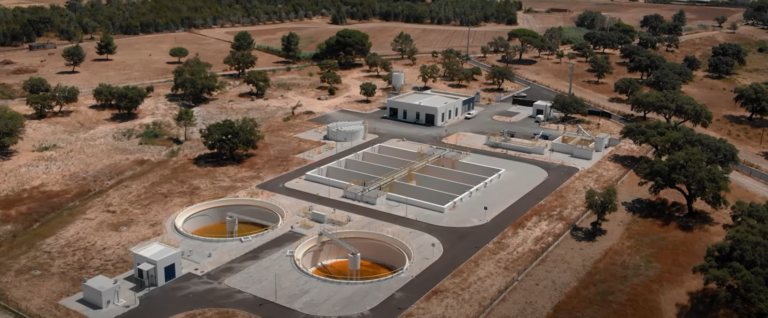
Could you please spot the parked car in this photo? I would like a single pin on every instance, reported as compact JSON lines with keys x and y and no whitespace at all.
{"x":544,"y":135}
{"x":470,"y":114}
{"x":520,"y":95}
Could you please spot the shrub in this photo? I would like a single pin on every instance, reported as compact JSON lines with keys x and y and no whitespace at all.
{"x":311,"y":73}
{"x":150,"y":89}
{"x":762,"y":48}
{"x":288,"y":68}
{"x":332,"y":91}
{"x":45,"y":147}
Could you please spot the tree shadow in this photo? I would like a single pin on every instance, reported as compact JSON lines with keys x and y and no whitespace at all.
{"x":122,"y":117}
{"x":250,"y":94}
{"x":421,"y":88}
{"x":675,"y":212}
{"x":97,"y":107}
{"x":756,"y":122}
{"x":67,"y":72}
{"x":586,"y":234}
{"x":617,"y":100}
{"x":702,"y":303}
{"x":456,"y":85}
{"x":623,"y":63}
{"x":518,"y":61}
{"x":492,"y":90}
{"x":594,"y":82}
{"x":100,"y":60}
{"x":215,"y":159}
{"x":7,"y":154}
{"x":626,"y":161}
{"x":174,"y":62}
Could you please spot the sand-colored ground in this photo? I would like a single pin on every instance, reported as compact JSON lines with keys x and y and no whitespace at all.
{"x":139,"y":59}
{"x":495,"y":266}
{"x":647,"y":272}
{"x":96,"y":181}
{"x":215,"y":313}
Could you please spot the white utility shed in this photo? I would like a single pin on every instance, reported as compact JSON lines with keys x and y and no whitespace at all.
{"x":101,"y":291}
{"x":543,"y":108}
{"x":431,"y":108}
{"x":156,"y":264}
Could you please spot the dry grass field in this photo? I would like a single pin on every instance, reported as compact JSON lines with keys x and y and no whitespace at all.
{"x":139,"y":59}
{"x":647,"y":273}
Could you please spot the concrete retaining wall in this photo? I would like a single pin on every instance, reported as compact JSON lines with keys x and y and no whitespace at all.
{"x":422,"y":204}
{"x":562,"y":148}
{"x":451,"y":175}
{"x":752,"y":172}
{"x":324,"y":180}
{"x":421,"y":193}
{"x":384,"y":160}
{"x":583,"y":153}
{"x":367,"y":168}
{"x":613,"y":142}
{"x":398,"y":152}
{"x":517,"y":147}
{"x":466,"y":167}
{"x":436,"y":183}
{"x":219,"y":214}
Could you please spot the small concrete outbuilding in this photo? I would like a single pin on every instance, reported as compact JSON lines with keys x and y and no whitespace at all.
{"x":101,"y":291}
{"x":543,"y":108}
{"x":156,"y":264}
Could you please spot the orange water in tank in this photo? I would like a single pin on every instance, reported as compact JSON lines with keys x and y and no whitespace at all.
{"x":220,"y":229}
{"x":337,"y":269}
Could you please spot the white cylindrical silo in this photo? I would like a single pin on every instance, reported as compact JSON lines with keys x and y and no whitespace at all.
{"x":353,"y":262}
{"x":398,"y":79}
{"x":231,"y":225}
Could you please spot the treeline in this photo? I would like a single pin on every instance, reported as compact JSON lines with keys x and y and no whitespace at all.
{"x":78,"y":18}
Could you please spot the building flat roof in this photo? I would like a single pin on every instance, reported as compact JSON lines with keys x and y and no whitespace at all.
{"x":155,"y":251}
{"x":430,"y":98}
{"x":100,"y":282}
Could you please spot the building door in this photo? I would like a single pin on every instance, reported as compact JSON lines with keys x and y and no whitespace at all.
{"x":430,"y":119}
{"x":393,"y":112}
{"x":405,"y":114}
{"x":170,"y":272}
{"x":418,"y":116}
{"x":539,"y":112}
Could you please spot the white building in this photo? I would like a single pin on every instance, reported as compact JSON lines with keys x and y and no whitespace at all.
{"x":101,"y":291}
{"x":156,"y":264}
{"x":431,"y":108}
{"x":543,"y":108}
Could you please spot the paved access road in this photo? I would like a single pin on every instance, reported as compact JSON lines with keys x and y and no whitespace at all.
{"x":191,"y":292}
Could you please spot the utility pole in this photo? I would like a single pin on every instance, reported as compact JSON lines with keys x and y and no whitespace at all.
{"x":468,"y":28}
{"x":570,"y":78}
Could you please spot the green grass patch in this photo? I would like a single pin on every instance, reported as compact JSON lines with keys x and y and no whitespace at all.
{"x":45,"y":147}
{"x":305,"y":56}
{"x":156,"y":134}
{"x":573,"y":34}
{"x":7,"y":92}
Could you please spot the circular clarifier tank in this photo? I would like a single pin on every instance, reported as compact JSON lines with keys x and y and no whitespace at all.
{"x":229,"y":219}
{"x":353,"y":256}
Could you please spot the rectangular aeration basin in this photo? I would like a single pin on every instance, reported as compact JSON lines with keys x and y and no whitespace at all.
{"x":384,"y":160}
{"x":399,"y":153}
{"x":452,"y":175}
{"x":466,"y":167}
{"x":421,"y":193}
{"x":347,"y":175}
{"x":367,"y":168}
{"x":436,"y":183}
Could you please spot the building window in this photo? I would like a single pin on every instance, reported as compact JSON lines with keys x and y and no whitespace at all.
{"x":405,"y":114}
{"x":417,"y":116}
{"x":449,"y":115}
{"x":442,"y":117}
